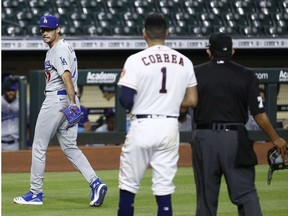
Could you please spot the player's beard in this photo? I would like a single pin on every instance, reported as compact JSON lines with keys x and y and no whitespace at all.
{"x":10,"y":96}
{"x":50,"y":38}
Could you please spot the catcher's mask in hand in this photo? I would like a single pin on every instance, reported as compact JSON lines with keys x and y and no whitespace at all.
{"x":276,"y":162}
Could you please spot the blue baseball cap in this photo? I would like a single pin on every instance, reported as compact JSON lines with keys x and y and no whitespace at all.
{"x":49,"y":21}
{"x":109,"y":112}
{"x":11,"y":84}
{"x":13,"y":87}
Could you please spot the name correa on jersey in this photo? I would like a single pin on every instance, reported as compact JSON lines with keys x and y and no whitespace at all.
{"x":162,"y":58}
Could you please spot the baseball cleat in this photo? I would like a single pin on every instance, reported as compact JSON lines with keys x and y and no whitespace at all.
{"x":30,"y":199}
{"x":98,"y":190}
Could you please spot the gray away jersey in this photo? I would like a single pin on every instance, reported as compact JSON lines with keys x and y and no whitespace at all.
{"x":59,"y":58}
{"x":10,"y":119}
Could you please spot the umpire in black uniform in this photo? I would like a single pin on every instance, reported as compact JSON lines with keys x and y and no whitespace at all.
{"x":221,"y":146}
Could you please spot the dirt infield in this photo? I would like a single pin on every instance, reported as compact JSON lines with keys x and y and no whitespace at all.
{"x":100,"y":157}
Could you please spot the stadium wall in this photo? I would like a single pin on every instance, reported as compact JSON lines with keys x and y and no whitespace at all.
{"x":101,"y":158}
{"x":22,"y":62}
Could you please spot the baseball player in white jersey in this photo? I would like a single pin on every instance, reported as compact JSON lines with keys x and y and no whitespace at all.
{"x":154,"y":84}
{"x":61,"y":85}
{"x":10,"y":119}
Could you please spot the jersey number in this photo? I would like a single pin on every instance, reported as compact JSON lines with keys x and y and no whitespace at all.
{"x":47,"y":76}
{"x":163,"y":85}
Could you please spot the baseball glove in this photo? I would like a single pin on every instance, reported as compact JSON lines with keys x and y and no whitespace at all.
{"x":73,"y":114}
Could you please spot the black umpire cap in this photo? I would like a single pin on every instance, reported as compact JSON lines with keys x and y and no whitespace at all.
{"x":220,"y":42}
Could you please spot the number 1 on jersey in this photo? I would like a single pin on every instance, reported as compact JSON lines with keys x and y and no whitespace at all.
{"x":163,"y":85}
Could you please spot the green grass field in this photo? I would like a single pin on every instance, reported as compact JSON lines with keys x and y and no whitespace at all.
{"x":67,"y":193}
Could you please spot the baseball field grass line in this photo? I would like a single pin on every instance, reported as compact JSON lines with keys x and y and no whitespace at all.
{"x":67,"y":193}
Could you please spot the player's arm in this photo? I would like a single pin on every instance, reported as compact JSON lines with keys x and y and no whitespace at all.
{"x":87,"y":126}
{"x":66,"y":76}
{"x":190,"y":97}
{"x":264,"y":123}
{"x":85,"y":119}
{"x":126,"y":97}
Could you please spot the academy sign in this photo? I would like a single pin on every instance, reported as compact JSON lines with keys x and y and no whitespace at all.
{"x":283,"y":76}
{"x":101,"y":78}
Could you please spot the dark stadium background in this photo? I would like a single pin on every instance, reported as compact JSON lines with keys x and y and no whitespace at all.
{"x":85,"y":20}
{"x":21,"y":62}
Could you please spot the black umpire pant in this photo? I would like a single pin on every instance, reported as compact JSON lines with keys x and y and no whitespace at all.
{"x":214,"y":154}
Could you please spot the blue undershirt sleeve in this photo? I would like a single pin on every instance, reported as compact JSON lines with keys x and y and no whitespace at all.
{"x":126,"y":97}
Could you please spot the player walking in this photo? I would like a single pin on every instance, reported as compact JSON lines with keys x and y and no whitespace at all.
{"x":61,"y":85}
{"x":154,"y":83}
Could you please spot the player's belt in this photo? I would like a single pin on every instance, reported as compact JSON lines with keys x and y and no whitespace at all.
{"x":152,"y":116}
{"x":60,"y":92}
{"x":220,"y":126}
{"x":8,"y":141}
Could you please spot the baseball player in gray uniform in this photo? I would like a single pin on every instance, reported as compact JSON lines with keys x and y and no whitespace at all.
{"x":10,"y":119}
{"x":61,"y":85}
{"x":154,"y":84}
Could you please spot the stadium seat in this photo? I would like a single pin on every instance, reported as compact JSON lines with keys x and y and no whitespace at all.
{"x":188,"y":19}
{"x":179,"y":30}
{"x":92,"y":7}
{"x":183,"y":21}
{"x":227,"y":30}
{"x":109,"y":22}
{"x":143,"y":7}
{"x":283,"y":5}
{"x":79,"y":20}
{"x":246,"y":18}
{"x":210,"y":20}
{"x":15,"y":5}
{"x":251,"y":31}
{"x":133,"y":21}
{"x":169,"y":6}
{"x":120,"y":6}
{"x":96,"y":30}
{"x":25,"y":17}
{"x":243,"y":7}
{"x":276,"y":31}
{"x":218,"y":6}
{"x":11,"y":30}
{"x":33,"y":30}
{"x":8,"y":15}
{"x":281,"y":18}
{"x":266,"y":6}
{"x":200,"y":4}
{"x":67,"y":7}
{"x":260,"y":21}
{"x":201,"y":31}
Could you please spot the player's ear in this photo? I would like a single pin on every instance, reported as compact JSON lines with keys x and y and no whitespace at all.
{"x":233,"y":51}
{"x":58,"y":30}
{"x":145,"y":34}
{"x":209,"y":53}
{"x":167,"y":33}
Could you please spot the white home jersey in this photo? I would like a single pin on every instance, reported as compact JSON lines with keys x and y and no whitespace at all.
{"x":59,"y":58}
{"x":160,"y":75}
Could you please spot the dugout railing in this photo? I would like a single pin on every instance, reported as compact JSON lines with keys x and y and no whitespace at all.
{"x":269,"y":77}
